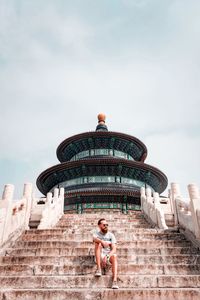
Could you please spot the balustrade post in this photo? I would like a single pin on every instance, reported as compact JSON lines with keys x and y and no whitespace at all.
{"x":49,"y":199}
{"x":55,"y":193}
{"x":27,"y":195}
{"x":148,"y":200}
{"x":62,"y":197}
{"x":156,"y":207}
{"x":142,"y":196}
{"x":6,"y":203}
{"x":156,"y":199}
{"x":175,"y":192}
{"x":148,"y":193}
{"x":195,"y":205}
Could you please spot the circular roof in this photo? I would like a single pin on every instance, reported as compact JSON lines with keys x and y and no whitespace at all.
{"x":101,"y":139}
{"x":100,"y":167}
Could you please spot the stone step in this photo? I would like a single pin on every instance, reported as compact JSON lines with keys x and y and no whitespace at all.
{"x":84,"y":218}
{"x":74,"y":243}
{"x":124,"y":269}
{"x":139,"y":259}
{"x":107,"y":215}
{"x":87,"y":281}
{"x":135,"y":231}
{"x":59,"y":263}
{"x":142,"y":226}
{"x":119,"y":236}
{"x":91,"y":230}
{"x":93,"y":218}
{"x":111,"y":227}
{"x":82,"y":260}
{"x":131,"y":214}
{"x":111,"y":222}
{"x":90,"y":251}
{"x":63,"y":260}
{"x":97,"y":294}
{"x":94,"y":222}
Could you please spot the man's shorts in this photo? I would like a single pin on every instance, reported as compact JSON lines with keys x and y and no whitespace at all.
{"x":105,"y":252}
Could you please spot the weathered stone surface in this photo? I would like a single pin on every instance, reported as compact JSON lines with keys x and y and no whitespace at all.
{"x":99,"y":294}
{"x":58,"y":263}
{"x":89,"y":281}
{"x":53,"y":268}
{"x":74,"y":243}
{"x":122,"y":235}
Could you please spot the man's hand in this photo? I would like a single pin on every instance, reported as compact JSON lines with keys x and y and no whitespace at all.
{"x":105,"y":244}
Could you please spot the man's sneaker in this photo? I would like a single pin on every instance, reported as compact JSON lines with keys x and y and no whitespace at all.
{"x":115,"y":285}
{"x":98,"y":273}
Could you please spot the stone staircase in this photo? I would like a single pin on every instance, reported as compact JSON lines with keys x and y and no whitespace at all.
{"x":58,"y":263}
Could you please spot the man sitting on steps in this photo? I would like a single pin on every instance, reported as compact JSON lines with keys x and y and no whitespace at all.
{"x":105,"y":250}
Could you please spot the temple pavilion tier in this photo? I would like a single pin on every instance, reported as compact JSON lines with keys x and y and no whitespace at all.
{"x":101,"y":170}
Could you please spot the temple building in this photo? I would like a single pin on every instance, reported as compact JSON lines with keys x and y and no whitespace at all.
{"x":102,"y":169}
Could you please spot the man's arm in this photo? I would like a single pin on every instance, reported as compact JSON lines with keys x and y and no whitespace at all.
{"x":113,"y":249}
{"x":98,"y":241}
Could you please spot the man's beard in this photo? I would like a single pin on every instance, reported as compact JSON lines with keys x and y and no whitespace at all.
{"x":105,"y":230}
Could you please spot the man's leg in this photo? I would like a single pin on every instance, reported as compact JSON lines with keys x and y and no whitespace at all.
{"x":113,"y":260}
{"x":98,"y":258}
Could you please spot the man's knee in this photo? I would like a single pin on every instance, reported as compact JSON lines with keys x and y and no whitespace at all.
{"x":113,"y":258}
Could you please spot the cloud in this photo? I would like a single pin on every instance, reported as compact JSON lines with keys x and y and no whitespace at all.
{"x":177,"y":155}
{"x":61,"y":63}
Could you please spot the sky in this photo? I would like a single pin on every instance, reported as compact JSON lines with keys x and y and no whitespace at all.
{"x":63,"y":62}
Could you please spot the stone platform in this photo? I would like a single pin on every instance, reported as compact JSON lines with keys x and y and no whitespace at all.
{"x":58,"y":263}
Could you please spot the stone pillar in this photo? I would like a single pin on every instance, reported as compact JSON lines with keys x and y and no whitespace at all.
{"x":160,"y":215}
{"x":49,"y":198}
{"x":124,"y":205}
{"x":148,"y":193}
{"x":175,"y":192}
{"x":8,"y":192}
{"x":193,"y":191}
{"x":79,"y":208}
{"x":56,"y":193}
{"x":142,"y":196}
{"x":46,"y":218}
{"x":156,"y":205}
{"x":195,"y":205}
{"x":56,"y":202}
{"x":62,"y":198}
{"x":27,"y":194}
{"x":156,"y":199}
{"x":148,"y":201}
{"x":6,"y":203}
{"x":170,"y":200}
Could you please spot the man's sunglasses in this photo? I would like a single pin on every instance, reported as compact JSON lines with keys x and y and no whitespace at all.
{"x":105,"y":225}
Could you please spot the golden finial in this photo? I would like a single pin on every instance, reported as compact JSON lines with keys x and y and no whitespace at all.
{"x":101,"y":118}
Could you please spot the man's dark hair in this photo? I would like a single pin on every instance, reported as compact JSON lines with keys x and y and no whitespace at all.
{"x":99,"y":222}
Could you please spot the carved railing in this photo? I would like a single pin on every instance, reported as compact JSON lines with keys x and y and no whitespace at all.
{"x":152,"y":209}
{"x":14,"y":215}
{"x":53,"y":209}
{"x":187,"y":211}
